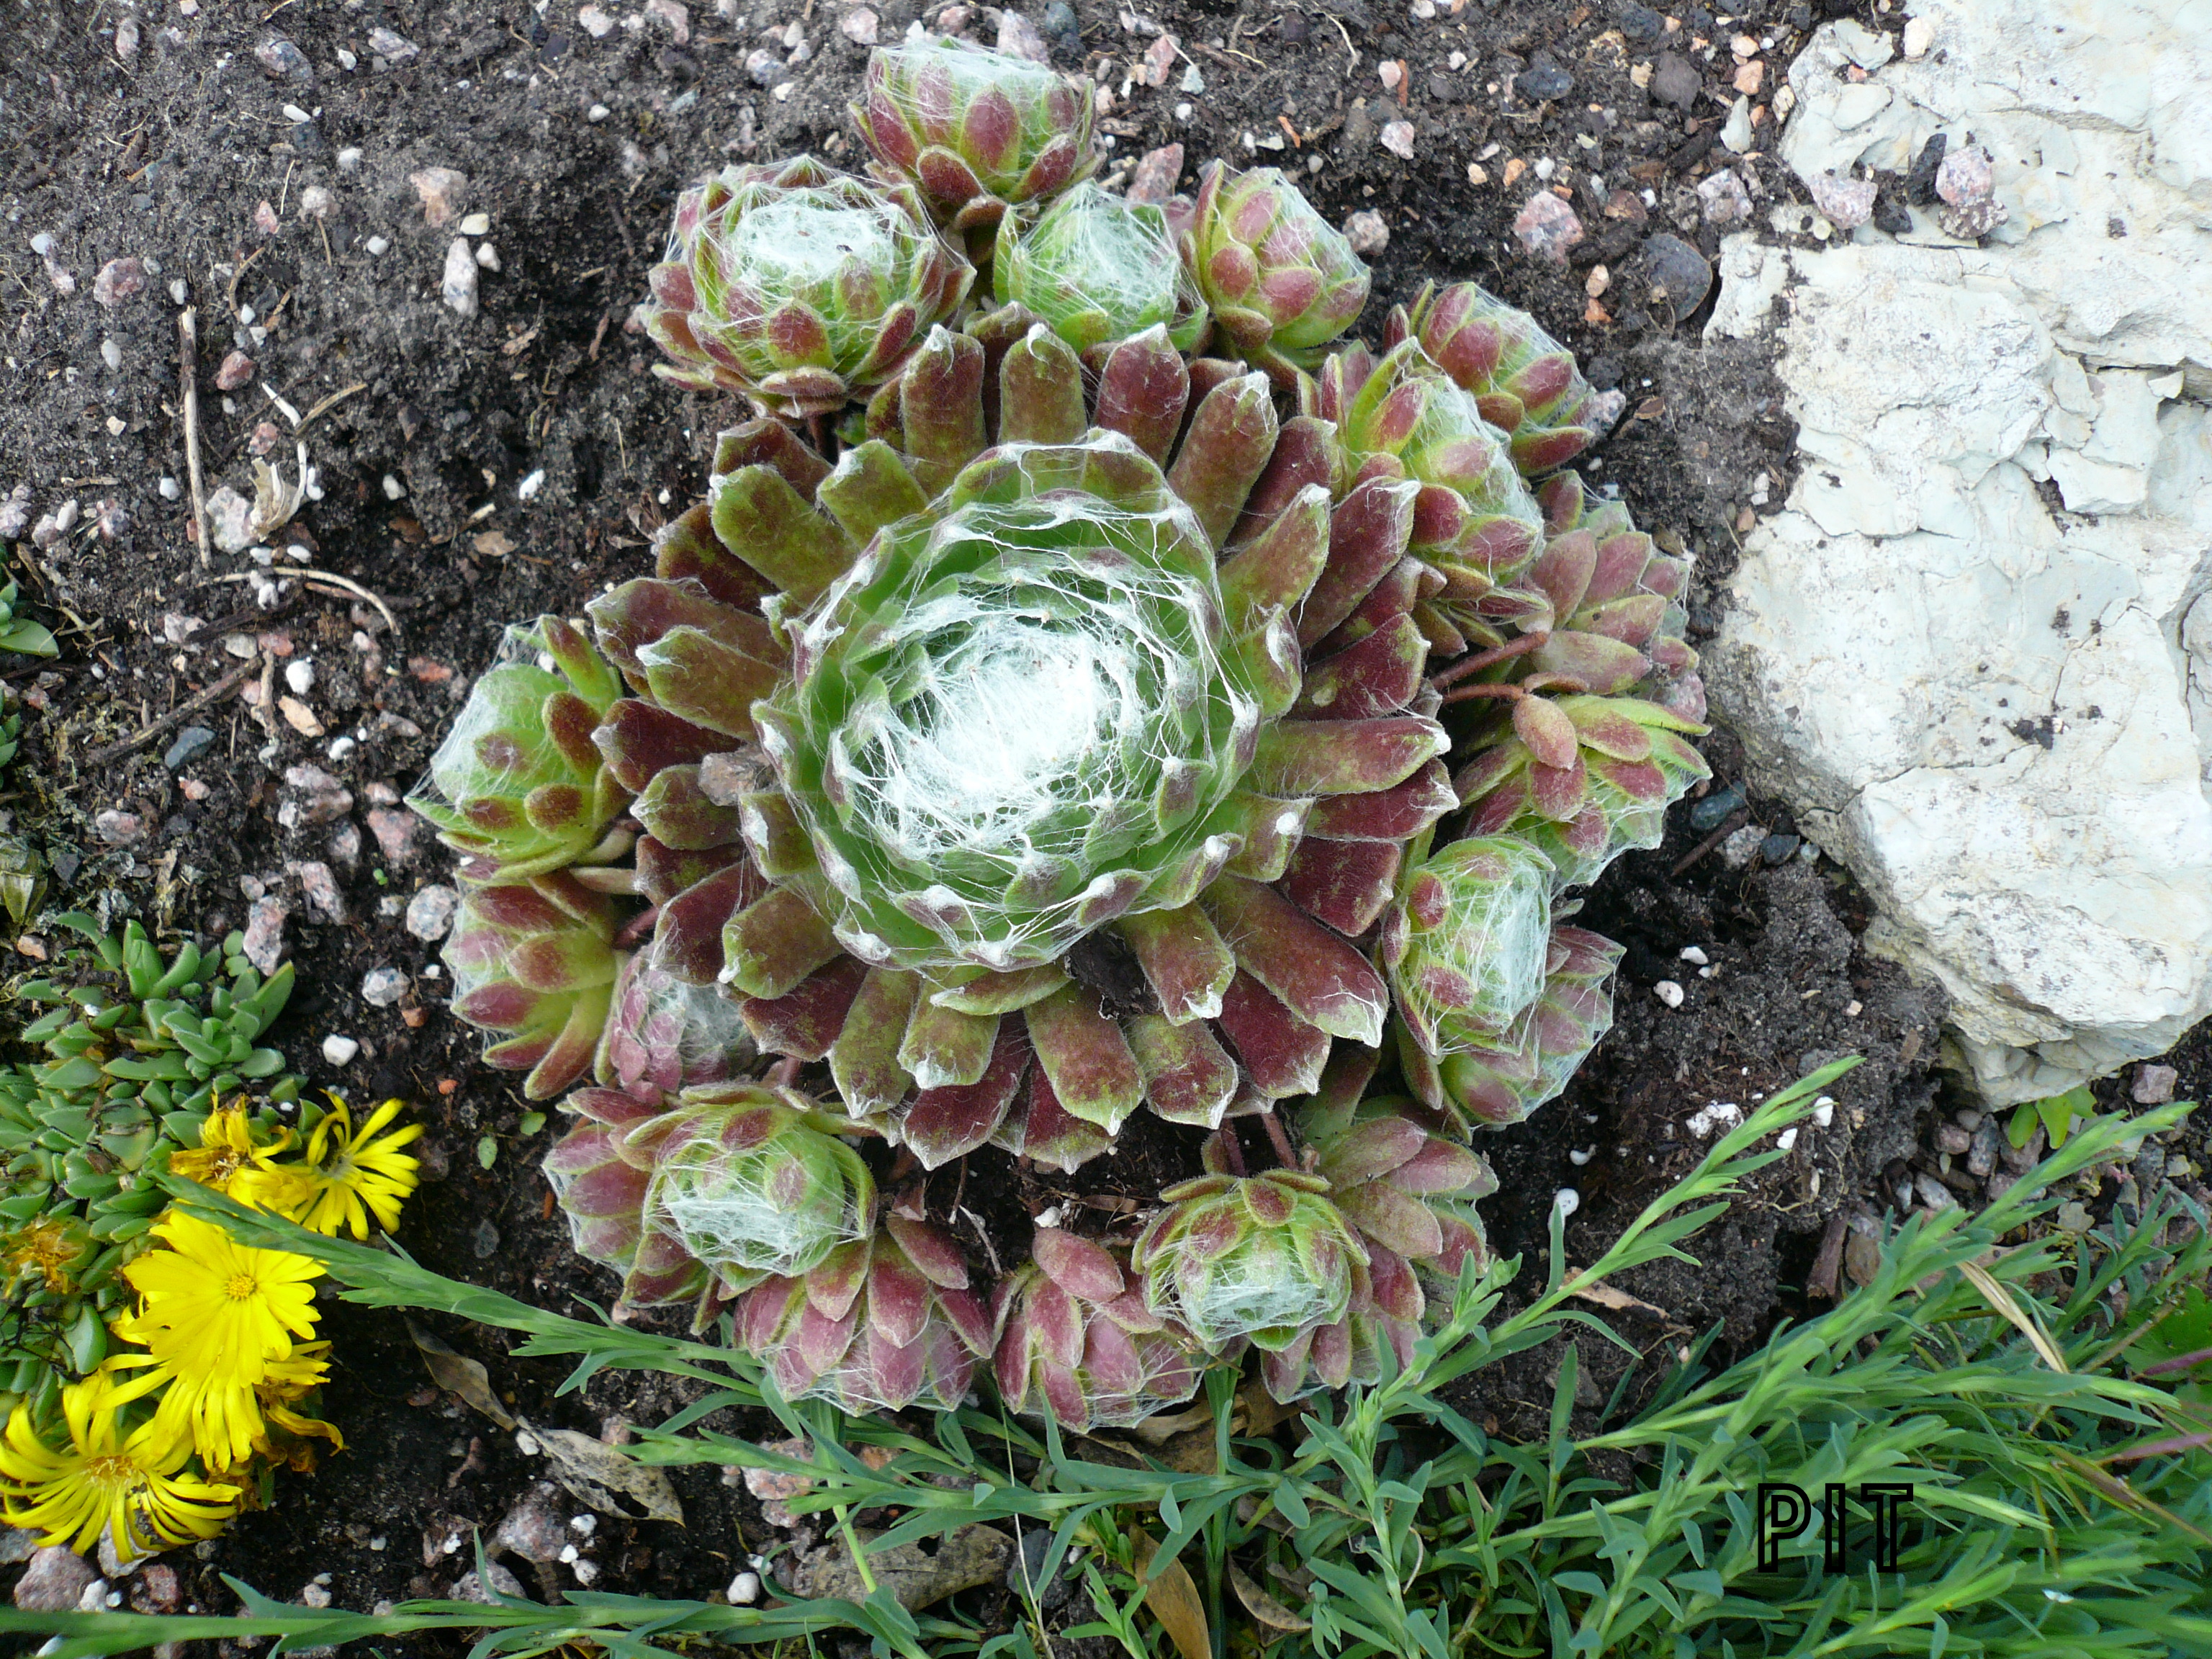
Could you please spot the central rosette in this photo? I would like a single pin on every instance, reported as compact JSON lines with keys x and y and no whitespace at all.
{"x":1019,"y":715}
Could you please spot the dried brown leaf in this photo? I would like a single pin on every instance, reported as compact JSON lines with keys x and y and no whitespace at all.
{"x":596,"y":1472}
{"x":1261,"y":1606}
{"x":457,"y":1374}
{"x":1172,"y":1598}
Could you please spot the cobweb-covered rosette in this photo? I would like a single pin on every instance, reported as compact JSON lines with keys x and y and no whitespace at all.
{"x":1095,"y":269}
{"x":799,"y":287}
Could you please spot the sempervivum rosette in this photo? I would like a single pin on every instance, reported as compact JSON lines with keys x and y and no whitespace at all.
{"x":878,"y":1326}
{"x":706,"y":1194}
{"x":978,"y":132}
{"x":1062,"y":811}
{"x":799,"y":287}
{"x":1526,"y":381}
{"x":1266,"y":1259}
{"x":1072,"y":726}
{"x":1077,"y":1340}
{"x":1283,"y":282}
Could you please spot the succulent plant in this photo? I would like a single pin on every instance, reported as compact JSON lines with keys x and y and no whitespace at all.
{"x":1283,"y":282}
{"x":1095,"y":269}
{"x":751,"y":1185}
{"x":799,"y":287}
{"x":1525,"y":381}
{"x":1616,"y":600}
{"x":1501,"y":1081}
{"x":22,"y":873}
{"x":878,"y":1326}
{"x":534,"y":963}
{"x":1264,"y":1258}
{"x":1075,"y":1339}
{"x":978,"y":132}
{"x":1465,"y":943}
{"x":132,"y":1055}
{"x":21,"y":633}
{"x":1474,"y":518}
{"x":517,"y":788}
{"x":1050,"y":732}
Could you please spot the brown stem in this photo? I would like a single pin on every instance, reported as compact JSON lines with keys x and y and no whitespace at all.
{"x":1232,"y":1151}
{"x":785,"y":1072}
{"x":1285,"y":1154}
{"x":1475,"y":663}
{"x":1469,"y":693}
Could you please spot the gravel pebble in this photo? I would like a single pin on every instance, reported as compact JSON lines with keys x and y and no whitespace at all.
{"x":1932,"y":1193}
{"x":1846,"y":203}
{"x":1676,"y":275}
{"x":457,"y":286}
{"x":1743,"y":846}
{"x":117,"y":828}
{"x":340,"y":1050}
{"x":264,"y":934}
{"x":1398,"y":138}
{"x":382,"y":987}
{"x":1723,"y":198}
{"x":190,"y":742}
{"x":237,"y":370}
{"x":1547,"y":227}
{"x":117,"y":280}
{"x":1674,"y":81}
{"x":325,"y":901}
{"x":430,"y":912}
{"x":1950,"y":1138}
{"x":54,"y":1582}
{"x":394,"y":830}
{"x":2154,"y":1085}
{"x":311,"y":797}
{"x":1367,"y":232}
{"x":1543,"y":80}
{"x":392,"y":48}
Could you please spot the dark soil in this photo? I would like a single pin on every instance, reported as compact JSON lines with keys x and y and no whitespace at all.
{"x":170,"y":156}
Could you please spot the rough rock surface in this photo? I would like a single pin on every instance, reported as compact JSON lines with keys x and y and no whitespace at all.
{"x":1971,"y":651}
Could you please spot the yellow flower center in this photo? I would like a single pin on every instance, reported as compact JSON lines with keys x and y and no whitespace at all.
{"x":240,"y":1287}
{"x":115,"y":1466}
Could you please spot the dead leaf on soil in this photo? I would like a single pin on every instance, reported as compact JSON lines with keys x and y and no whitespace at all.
{"x":595,"y":1472}
{"x":1172,"y":1598}
{"x":965,"y":1558}
{"x":1261,"y":1606}
{"x":457,"y":1374}
{"x":1620,"y":1301}
{"x":493,"y":544}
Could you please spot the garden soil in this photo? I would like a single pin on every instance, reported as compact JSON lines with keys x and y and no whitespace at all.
{"x":477,"y":471}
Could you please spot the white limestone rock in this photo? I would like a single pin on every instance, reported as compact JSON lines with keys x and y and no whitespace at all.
{"x":1999,"y":714}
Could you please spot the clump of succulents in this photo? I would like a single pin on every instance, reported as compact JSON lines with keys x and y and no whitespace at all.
{"x":1103,"y":690}
{"x":129,"y":1061}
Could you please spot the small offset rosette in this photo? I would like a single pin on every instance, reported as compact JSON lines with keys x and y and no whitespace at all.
{"x":1076,"y":1338}
{"x":1097,"y":269}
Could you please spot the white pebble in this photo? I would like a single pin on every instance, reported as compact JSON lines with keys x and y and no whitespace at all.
{"x":568,"y":1554}
{"x":1787,"y":1139}
{"x":1184,"y":111}
{"x":378,"y":1543}
{"x":382,"y":987}
{"x":340,"y":747}
{"x":300,"y":674}
{"x":1047,"y":1217}
{"x":583,"y":1525}
{"x":349,"y":63}
{"x":745,"y":1589}
{"x":1582,"y":1155}
{"x":377,"y":247}
{"x":525,"y":1442}
{"x":1692,"y":953}
{"x":487,"y":256}
{"x":1669,"y":993}
{"x":1824,"y":1111}
{"x":296,"y":116}
{"x":458,"y":286}
{"x":1567,"y":1201}
{"x":178,"y":291}
{"x":340,"y":1050}
{"x":585,"y":1571}
{"x":298,"y":553}
{"x":531,"y":485}
{"x":110,"y":354}
{"x":598,"y":113}
{"x":171,"y":489}
{"x":393,"y":489}
{"x":476,"y":224}
{"x":1722,"y":1115}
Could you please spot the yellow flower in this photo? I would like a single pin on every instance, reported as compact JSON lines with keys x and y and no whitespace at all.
{"x":220,"y":1419}
{"x":355,"y":1173}
{"x":228,"y":1157}
{"x":286,"y":1433}
{"x":48,"y":1248}
{"x":217,"y":1310}
{"x":107,"y":1477}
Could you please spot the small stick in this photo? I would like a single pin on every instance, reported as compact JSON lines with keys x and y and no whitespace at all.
{"x":191,"y":706}
{"x":1734,"y":822}
{"x":1470,"y":693}
{"x":1822,"y":1282}
{"x":346,"y":582}
{"x":330,"y":402}
{"x":188,"y":343}
{"x":1477,"y":661}
{"x":1285,"y":1153}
